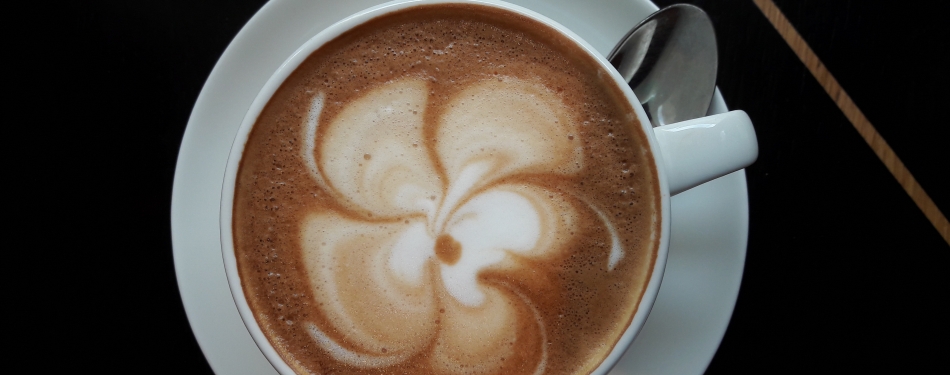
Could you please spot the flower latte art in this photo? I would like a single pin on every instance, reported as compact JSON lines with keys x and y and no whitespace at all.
{"x":494,"y":130}
{"x":445,"y":190}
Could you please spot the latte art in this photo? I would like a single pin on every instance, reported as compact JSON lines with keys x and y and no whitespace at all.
{"x":379,"y":279}
{"x":447,"y":189}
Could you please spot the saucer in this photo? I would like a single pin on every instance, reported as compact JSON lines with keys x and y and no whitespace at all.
{"x":709,"y":223}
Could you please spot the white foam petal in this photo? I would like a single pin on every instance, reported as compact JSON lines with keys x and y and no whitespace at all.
{"x":517,"y":125}
{"x":310,"y":139}
{"x":486,"y":226}
{"x":616,"y":250}
{"x":470,"y":176}
{"x":373,"y":156}
{"x":496,"y":219}
{"x":526,"y":220}
{"x":375,"y":309}
{"x":474,"y":339}
{"x":497,"y":337}
{"x":350,"y":357}
{"x":461,"y":279}
{"x":410,"y":253}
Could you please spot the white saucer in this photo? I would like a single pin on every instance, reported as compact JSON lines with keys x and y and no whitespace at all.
{"x":709,"y":230}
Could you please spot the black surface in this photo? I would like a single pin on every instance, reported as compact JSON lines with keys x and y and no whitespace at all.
{"x":843,"y":273}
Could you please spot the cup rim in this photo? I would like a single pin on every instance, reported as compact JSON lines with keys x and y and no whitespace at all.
{"x":335,"y":30}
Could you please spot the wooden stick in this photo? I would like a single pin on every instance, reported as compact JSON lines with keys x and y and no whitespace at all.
{"x":854,"y":114}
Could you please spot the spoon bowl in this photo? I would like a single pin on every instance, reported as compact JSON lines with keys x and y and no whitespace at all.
{"x":670,"y":60}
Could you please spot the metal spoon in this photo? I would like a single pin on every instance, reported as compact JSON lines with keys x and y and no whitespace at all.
{"x":669,"y":60}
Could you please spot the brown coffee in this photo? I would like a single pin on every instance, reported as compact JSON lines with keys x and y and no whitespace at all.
{"x":446,"y":189}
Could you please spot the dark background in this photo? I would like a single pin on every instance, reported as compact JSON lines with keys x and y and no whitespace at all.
{"x":844,"y":273}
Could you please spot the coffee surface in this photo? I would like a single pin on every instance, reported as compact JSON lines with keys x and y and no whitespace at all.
{"x":446,"y":189}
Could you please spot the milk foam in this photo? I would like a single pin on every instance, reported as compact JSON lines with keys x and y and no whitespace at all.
{"x":351,"y":357}
{"x":410,"y":253}
{"x":438,"y":194}
{"x":372,"y":156}
{"x":372,"y":278}
{"x":487,"y":226}
{"x":521,"y":127}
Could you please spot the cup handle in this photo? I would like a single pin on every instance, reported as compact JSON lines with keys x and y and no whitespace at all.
{"x":703,"y":149}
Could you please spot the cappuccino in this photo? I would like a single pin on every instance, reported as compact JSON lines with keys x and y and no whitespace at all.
{"x":450,"y":189}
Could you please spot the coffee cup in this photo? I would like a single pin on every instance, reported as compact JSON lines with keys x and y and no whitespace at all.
{"x":512,"y":196}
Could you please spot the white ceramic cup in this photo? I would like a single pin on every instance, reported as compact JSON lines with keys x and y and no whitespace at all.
{"x":686,"y":154}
